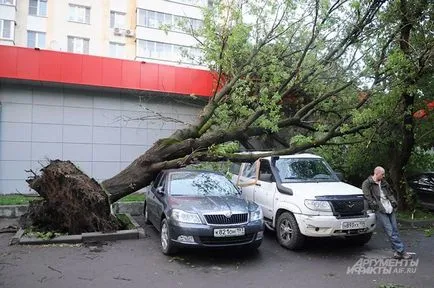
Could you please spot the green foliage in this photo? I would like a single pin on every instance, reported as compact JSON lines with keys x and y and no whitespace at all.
{"x":224,"y":149}
{"x":16,"y":199}
{"x":45,"y":235}
{"x":221,"y":167}
{"x":420,"y":161}
{"x":300,"y":140}
{"x":125,"y":221}
{"x":139,"y":197}
{"x":428,"y":232}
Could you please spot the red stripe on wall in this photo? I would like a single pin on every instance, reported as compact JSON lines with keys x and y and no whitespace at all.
{"x":61,"y":67}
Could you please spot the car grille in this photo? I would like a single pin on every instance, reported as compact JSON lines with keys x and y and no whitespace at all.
{"x":209,"y":240}
{"x":348,"y":207}
{"x":222,"y":219}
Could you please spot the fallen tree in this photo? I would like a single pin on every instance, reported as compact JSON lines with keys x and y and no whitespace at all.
{"x":313,"y":69}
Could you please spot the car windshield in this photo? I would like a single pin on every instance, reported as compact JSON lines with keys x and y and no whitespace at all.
{"x":200,"y":183}
{"x":305,"y":170}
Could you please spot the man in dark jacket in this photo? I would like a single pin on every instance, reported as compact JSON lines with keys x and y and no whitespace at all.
{"x":379,"y":195}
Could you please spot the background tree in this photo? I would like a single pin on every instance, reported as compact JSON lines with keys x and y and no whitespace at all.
{"x":405,"y":38}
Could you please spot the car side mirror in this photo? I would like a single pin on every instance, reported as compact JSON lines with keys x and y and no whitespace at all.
{"x":160,"y":190}
{"x":340,"y":175}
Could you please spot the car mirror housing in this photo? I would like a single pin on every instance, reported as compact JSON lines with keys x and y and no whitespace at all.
{"x":160,"y":190}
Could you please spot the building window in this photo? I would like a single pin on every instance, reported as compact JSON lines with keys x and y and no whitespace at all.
{"x":117,"y":19}
{"x":80,"y":14}
{"x":166,"y":51}
{"x":152,"y":19}
{"x":192,"y":2}
{"x":7,"y":2}
{"x":6,"y":29}
{"x":38,"y":7}
{"x":78,"y":45}
{"x":35,"y":39}
{"x":117,"y":50}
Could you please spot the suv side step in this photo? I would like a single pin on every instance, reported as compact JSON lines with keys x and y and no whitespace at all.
{"x":269,"y":224}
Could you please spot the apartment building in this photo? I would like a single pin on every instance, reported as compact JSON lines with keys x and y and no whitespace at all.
{"x":140,"y":30}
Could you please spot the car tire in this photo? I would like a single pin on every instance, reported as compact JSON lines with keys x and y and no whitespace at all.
{"x":145,"y":214}
{"x":167,"y":246}
{"x":360,"y":240}
{"x":288,"y":233}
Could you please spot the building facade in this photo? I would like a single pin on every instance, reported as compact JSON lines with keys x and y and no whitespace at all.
{"x":100,"y":113}
{"x":94,"y":82}
{"x":140,"y":30}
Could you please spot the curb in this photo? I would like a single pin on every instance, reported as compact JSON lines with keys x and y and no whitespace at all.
{"x":135,"y":233}
{"x":132,"y":208}
{"x":416,"y":223}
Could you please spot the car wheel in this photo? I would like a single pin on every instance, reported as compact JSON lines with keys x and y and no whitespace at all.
{"x":360,"y":240}
{"x":288,"y":233}
{"x":166,"y":245}
{"x":145,"y":214}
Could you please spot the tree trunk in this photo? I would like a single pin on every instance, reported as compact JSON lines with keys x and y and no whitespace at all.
{"x":400,"y":155}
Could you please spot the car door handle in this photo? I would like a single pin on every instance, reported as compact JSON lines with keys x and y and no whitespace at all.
{"x":258,"y":184}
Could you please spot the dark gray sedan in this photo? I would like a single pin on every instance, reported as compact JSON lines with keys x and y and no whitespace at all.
{"x":201,"y":208}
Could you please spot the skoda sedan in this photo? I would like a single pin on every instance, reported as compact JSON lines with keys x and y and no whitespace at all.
{"x":193,"y":208}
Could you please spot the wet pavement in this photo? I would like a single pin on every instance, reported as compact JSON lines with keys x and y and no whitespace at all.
{"x":139,"y":263}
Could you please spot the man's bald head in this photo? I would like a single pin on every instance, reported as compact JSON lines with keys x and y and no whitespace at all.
{"x":378,"y":173}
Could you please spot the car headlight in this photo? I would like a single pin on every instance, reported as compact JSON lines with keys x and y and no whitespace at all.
{"x":182,"y":216}
{"x":256,"y":215}
{"x":318,"y":205}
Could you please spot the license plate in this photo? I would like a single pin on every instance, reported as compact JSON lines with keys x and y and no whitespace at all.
{"x":353,"y":225}
{"x":229,"y":232}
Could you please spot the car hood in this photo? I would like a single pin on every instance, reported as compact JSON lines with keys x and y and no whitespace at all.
{"x":211,"y":204}
{"x":313,"y":189}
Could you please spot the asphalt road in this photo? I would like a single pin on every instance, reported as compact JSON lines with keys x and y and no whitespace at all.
{"x":139,"y":263}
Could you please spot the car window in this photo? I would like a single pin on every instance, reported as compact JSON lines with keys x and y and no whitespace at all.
{"x":235,"y":168}
{"x":248,"y":174}
{"x":157,"y":180}
{"x":192,"y":183}
{"x":265,"y":173}
{"x":305,"y":170}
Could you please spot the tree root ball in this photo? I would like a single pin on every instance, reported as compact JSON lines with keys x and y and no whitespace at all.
{"x":72,"y":202}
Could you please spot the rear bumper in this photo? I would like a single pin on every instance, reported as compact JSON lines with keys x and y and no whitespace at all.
{"x":203,"y":235}
{"x":327,"y":226}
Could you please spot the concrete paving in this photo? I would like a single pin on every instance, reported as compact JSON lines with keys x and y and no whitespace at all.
{"x":139,"y":263}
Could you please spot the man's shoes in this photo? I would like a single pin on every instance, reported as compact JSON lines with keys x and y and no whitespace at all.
{"x":401,"y":255}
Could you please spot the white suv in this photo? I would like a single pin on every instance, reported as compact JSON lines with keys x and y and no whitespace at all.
{"x":300,"y":195}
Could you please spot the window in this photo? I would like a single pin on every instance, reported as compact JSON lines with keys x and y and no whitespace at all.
{"x":79,"y":14}
{"x":78,"y":45}
{"x":248,"y":174}
{"x":38,"y":7}
{"x":193,"y":2}
{"x":166,"y":51}
{"x":152,"y":19}
{"x":117,"y":50}
{"x":7,"y":2}
{"x":6,"y":29}
{"x":117,"y":19}
{"x":35,"y":39}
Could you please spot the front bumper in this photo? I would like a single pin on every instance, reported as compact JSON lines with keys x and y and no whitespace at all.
{"x":203,"y":234}
{"x":326,"y":226}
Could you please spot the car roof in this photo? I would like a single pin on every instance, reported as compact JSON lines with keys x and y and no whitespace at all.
{"x":181,"y":170}
{"x":292,"y":156}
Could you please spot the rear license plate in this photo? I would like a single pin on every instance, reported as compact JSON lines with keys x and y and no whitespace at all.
{"x":229,"y":232}
{"x":353,"y":225}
